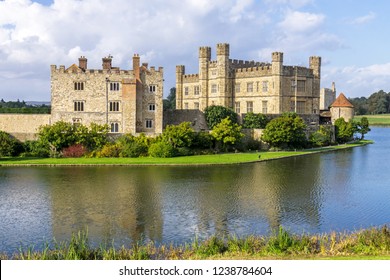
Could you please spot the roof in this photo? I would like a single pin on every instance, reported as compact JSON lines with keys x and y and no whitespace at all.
{"x":342,"y":101}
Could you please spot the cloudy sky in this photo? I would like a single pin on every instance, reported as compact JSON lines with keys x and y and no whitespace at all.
{"x":351,"y":36}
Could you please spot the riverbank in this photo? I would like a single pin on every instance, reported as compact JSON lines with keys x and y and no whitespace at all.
{"x":228,"y":158}
{"x":373,"y":243}
{"x":383,"y":119}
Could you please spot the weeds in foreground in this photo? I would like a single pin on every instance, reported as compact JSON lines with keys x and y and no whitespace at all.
{"x":280,"y":244}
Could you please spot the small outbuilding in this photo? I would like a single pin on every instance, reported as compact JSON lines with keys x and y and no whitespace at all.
{"x":342,"y":108}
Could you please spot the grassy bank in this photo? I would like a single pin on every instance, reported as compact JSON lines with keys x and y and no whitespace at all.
{"x":371,"y":243}
{"x":230,"y":158}
{"x":383,"y":119}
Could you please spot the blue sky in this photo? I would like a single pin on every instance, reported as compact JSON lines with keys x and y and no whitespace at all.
{"x":351,"y":36}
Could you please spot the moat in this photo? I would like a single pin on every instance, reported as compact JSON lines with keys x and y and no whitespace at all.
{"x":338,"y":191}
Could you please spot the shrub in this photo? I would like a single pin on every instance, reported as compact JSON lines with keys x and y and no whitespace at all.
{"x":322,"y":137}
{"x":74,"y":151}
{"x":109,"y":150}
{"x":215,"y":114}
{"x":180,"y":135}
{"x":203,"y":140}
{"x":36,"y":149}
{"x":252,"y":120}
{"x":9,"y":145}
{"x":162,"y":150}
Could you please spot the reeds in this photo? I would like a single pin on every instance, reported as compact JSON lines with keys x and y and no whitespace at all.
{"x":281,"y":244}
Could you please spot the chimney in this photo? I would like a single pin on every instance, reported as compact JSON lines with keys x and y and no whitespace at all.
{"x":136,"y":62}
{"x":107,"y":62}
{"x":83,"y":63}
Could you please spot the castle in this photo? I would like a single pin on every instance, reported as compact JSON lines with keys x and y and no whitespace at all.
{"x":248,"y":86}
{"x":130,"y":101}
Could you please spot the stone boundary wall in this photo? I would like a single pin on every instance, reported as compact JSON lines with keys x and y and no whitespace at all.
{"x":23,"y":126}
{"x":176,"y":117}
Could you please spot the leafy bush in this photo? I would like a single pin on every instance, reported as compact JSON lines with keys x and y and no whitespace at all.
{"x":36,"y":149}
{"x":285,"y":132}
{"x":74,"y":151}
{"x":344,"y":130}
{"x":9,"y":145}
{"x":178,"y":136}
{"x":162,"y":150}
{"x":322,"y":137}
{"x":227,"y":133}
{"x":215,"y":114}
{"x":252,"y":120}
{"x":109,"y":150}
{"x":203,"y":140}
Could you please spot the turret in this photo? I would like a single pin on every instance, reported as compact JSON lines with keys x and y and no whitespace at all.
{"x":83,"y":63}
{"x":315,"y":65}
{"x":136,"y":63}
{"x":107,"y":62}
{"x":277,"y":62}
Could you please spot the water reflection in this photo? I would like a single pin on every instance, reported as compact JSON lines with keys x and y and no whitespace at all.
{"x":333,"y":191}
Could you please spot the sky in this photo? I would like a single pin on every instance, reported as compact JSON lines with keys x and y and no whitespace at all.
{"x":351,"y":36}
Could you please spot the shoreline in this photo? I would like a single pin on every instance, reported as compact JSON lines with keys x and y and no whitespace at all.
{"x":369,"y":243}
{"x":195,"y":160}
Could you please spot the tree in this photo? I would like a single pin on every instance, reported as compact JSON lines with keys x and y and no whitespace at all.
{"x":227,"y":133}
{"x":378,"y":103}
{"x":344,"y":130}
{"x":252,"y":120}
{"x":285,"y":132}
{"x":58,"y":135}
{"x":215,"y":114}
{"x":170,"y":101}
{"x":363,"y":127}
{"x":322,"y":137}
{"x":179,"y":136}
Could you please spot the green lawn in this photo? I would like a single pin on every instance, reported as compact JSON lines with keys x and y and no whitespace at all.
{"x":229,"y":158}
{"x":375,"y":119}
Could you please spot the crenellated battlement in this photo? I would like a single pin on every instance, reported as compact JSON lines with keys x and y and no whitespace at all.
{"x":292,"y":71}
{"x":191,"y":78}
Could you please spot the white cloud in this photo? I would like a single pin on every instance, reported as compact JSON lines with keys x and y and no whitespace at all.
{"x":363,"y":19}
{"x":359,"y":81}
{"x":296,"y":21}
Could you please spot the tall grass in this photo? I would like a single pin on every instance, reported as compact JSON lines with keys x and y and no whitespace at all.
{"x":281,"y":244}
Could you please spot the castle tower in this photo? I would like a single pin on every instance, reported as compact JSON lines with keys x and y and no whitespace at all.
{"x":136,"y":63}
{"x":180,"y":71}
{"x":204,"y":60}
{"x":315,"y":65}
{"x":277,"y":71}
{"x":224,"y":83}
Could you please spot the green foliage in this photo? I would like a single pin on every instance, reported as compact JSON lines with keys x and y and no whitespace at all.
{"x":227,"y":133}
{"x":92,"y":137}
{"x":215,"y":114}
{"x":36,"y":148}
{"x":132,"y":146}
{"x":170,"y":101}
{"x":179,"y":136}
{"x":377,"y":103}
{"x":344,"y":130}
{"x":252,"y":120}
{"x":9,"y":145}
{"x":162,"y":149}
{"x":61,"y":135}
{"x":202,"y":140}
{"x":363,"y":127}
{"x":286,"y":132}
{"x":109,"y":150}
{"x":322,"y":137}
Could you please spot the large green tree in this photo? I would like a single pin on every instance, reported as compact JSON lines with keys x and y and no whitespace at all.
{"x":285,"y":132}
{"x":179,"y":136}
{"x":9,"y":146}
{"x":363,"y":127}
{"x":226,"y":133}
{"x":344,"y":130}
{"x":170,"y":101}
{"x":215,"y":114}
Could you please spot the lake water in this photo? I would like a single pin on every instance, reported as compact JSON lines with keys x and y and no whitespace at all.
{"x":336,"y":191}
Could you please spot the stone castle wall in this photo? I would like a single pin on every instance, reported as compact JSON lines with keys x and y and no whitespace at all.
{"x":23,"y":126}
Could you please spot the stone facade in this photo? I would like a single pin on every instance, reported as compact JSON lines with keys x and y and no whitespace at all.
{"x":129,"y":101}
{"x":327,"y":97}
{"x":248,"y":86}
